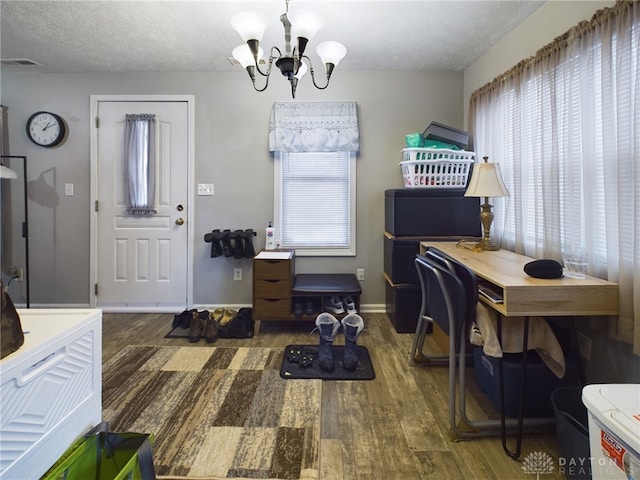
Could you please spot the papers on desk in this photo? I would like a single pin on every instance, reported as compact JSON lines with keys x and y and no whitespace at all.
{"x":490,"y":294}
{"x":274,"y":255}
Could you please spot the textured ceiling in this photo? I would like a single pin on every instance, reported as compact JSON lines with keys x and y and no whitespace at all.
{"x":195,"y":36}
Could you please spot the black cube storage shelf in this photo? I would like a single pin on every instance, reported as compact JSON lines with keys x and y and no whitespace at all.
{"x":414,"y":215}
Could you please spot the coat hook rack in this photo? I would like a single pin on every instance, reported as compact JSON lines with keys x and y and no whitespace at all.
{"x":227,"y":243}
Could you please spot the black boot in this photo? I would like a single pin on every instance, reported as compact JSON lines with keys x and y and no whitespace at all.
{"x":247,"y":237}
{"x":352,"y":325}
{"x":328,"y":326}
{"x":238,"y":247}
{"x":227,"y":250}
{"x":216,"y":249}
{"x":218,"y":239}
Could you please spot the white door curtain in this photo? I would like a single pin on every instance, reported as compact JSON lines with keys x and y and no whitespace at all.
{"x":140,"y":163}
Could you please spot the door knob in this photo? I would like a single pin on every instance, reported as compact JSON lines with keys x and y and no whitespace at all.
{"x":180,"y":221}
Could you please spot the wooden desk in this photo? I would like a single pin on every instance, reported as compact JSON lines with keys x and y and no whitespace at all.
{"x":525,"y":296}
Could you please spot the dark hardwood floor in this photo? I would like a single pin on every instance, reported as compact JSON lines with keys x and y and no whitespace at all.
{"x":393,"y":427}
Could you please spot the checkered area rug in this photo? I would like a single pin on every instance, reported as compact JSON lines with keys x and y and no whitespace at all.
{"x":215,"y":412}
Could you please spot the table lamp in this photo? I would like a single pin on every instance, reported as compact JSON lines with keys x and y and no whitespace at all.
{"x":486,"y":181}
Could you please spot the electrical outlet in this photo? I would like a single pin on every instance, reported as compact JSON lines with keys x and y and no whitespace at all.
{"x":17,"y":273}
{"x":584,"y":344}
{"x":237,"y":274}
{"x":360,"y":274}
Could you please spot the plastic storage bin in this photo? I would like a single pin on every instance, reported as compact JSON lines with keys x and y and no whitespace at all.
{"x":541,"y":382}
{"x":436,"y":167}
{"x":614,"y":430}
{"x":51,"y":389}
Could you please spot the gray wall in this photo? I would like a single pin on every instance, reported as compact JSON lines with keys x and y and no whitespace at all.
{"x":231,"y":152}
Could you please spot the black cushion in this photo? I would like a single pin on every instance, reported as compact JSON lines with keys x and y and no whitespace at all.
{"x":545,"y":268}
{"x":326,"y":284}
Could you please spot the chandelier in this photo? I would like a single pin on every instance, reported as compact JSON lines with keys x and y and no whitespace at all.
{"x":304,"y":25}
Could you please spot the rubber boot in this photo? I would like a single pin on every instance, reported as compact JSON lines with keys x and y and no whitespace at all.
{"x":217,"y":238}
{"x":227,"y":249}
{"x":247,"y":236}
{"x":216,"y":249}
{"x":238,"y":244}
{"x":328,"y":326}
{"x":352,"y":325}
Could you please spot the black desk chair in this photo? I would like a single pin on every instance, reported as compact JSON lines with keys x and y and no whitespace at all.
{"x":449,"y":298}
{"x":470,"y":284}
{"x":443,"y":302}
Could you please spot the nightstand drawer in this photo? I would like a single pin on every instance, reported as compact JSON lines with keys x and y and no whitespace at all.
{"x":271,"y":309}
{"x":271,"y":288}
{"x":272,"y":269}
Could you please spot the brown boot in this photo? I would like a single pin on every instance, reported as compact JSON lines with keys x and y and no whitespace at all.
{"x":210,"y":328}
{"x":197,"y":327}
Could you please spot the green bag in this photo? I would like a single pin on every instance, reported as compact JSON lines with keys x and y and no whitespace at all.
{"x":103,"y":455}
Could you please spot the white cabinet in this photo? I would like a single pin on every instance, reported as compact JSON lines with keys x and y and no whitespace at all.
{"x":50,"y":389}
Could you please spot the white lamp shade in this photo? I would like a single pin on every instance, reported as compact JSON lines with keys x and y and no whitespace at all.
{"x":486,"y":181}
{"x":249,"y":25}
{"x":6,"y":172}
{"x":305,"y":23}
{"x":331,"y":52}
{"x":242,"y":53}
{"x":302,"y":69}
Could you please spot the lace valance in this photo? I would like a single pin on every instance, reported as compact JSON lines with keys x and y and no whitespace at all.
{"x":314,"y":127}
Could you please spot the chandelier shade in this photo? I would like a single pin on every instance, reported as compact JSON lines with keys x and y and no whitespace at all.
{"x":249,"y":25}
{"x":331,"y":52}
{"x":242,"y":53}
{"x":301,"y":26}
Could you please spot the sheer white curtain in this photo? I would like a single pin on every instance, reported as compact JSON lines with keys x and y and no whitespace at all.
{"x":140,"y":163}
{"x":565,"y":127}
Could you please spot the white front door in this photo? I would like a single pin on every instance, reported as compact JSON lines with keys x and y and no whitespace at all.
{"x":142,"y":262}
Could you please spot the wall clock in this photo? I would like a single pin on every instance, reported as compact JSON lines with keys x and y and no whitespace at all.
{"x":46,"y":129}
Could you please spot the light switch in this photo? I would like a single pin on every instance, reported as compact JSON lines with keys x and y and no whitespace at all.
{"x":205,"y":189}
{"x":68,"y":189}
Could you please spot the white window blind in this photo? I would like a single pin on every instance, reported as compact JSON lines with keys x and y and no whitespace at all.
{"x":565,"y":127}
{"x":315,"y":202}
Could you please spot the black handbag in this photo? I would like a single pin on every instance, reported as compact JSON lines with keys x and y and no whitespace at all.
{"x":11,"y":335}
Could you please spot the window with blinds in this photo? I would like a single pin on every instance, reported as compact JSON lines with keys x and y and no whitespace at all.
{"x":315,"y":202}
{"x":564,"y":125}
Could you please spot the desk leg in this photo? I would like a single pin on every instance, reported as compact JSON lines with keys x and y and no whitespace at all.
{"x":523,"y":383}
{"x":576,"y":348}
